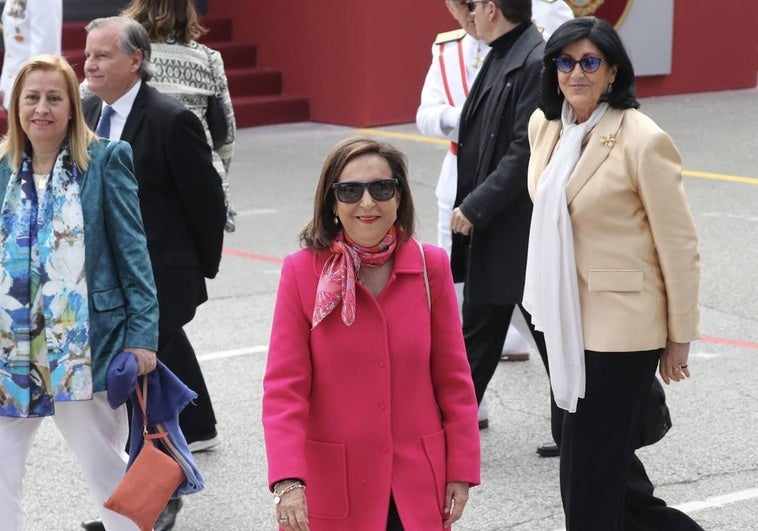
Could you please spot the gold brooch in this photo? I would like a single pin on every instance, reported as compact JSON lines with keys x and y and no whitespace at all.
{"x":608,"y":141}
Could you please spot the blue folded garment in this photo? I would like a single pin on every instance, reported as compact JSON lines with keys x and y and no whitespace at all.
{"x":121,"y":378}
{"x":167,"y":396}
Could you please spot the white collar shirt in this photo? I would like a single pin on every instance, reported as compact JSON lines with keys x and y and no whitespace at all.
{"x":121,"y":109}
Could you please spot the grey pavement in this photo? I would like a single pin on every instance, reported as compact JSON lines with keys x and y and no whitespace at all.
{"x":707,"y":463}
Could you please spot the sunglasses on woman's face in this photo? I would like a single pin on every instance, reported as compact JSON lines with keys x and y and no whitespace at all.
{"x":588,"y":64}
{"x":351,"y":192}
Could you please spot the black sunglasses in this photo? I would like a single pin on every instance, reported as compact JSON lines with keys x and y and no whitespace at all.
{"x":351,"y":192}
{"x":471,"y":4}
{"x":588,"y":64}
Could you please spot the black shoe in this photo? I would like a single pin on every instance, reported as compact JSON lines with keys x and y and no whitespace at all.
{"x":204,"y":443}
{"x":93,"y":525}
{"x":514,"y":356}
{"x":167,"y":519}
{"x":548,"y":450}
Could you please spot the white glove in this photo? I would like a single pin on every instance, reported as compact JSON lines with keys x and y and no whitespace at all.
{"x":450,"y":118}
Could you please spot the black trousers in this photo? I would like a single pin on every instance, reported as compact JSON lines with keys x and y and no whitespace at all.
{"x":604,"y":486}
{"x":484,"y":329}
{"x":393,"y":519}
{"x":197,"y":420}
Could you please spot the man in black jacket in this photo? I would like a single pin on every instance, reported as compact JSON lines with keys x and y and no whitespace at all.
{"x":492,"y":209}
{"x":180,"y":194}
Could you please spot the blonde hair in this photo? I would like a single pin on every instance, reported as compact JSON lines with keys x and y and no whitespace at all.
{"x":79,"y":135}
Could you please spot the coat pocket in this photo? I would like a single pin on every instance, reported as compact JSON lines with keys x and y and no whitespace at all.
{"x":327,"y":480}
{"x":436,"y":453}
{"x":615,"y":280}
{"x":108,"y":299}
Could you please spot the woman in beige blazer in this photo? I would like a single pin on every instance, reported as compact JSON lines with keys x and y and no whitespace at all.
{"x":612,"y":272}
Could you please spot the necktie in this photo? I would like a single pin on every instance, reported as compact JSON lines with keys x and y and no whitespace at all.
{"x":104,"y":127}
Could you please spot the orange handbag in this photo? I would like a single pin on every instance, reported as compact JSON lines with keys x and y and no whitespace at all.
{"x":151,"y":480}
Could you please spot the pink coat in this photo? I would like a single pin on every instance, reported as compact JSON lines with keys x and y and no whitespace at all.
{"x":385,"y":405}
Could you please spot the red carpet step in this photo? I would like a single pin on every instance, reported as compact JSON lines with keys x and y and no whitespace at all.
{"x":256,"y":90}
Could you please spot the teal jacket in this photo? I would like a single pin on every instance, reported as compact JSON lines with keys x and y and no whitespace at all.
{"x":123,"y":308}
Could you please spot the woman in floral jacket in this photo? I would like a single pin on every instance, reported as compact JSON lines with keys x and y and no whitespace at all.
{"x":75,"y":284}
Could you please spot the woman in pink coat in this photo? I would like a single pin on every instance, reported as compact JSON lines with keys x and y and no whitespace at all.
{"x":368,"y":400}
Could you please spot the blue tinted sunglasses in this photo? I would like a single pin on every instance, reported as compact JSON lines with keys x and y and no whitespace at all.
{"x":588,"y":64}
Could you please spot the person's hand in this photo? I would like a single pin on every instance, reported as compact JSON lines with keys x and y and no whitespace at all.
{"x":673,"y":364}
{"x":146,"y":360}
{"x":456,"y":496}
{"x":460,"y":223}
{"x":292,"y":509}
{"x":450,"y":118}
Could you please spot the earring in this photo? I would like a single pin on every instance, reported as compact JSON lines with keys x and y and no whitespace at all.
{"x":336,"y":221}
{"x":610,"y":87}
{"x":558,"y":90}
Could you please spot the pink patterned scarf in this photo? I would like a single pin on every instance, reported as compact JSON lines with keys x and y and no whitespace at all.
{"x":337,"y":281}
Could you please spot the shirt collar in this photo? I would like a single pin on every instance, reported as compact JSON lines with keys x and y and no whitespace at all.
{"x":123,"y":105}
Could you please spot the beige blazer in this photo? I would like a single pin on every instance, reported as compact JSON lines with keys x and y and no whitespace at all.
{"x":634,"y":237}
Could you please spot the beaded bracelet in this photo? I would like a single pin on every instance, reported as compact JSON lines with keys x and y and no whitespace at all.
{"x":291,"y":486}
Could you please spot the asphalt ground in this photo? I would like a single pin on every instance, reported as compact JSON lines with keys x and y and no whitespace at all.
{"x":708,"y":462}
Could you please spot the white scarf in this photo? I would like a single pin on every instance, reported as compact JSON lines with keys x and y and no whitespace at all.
{"x":551,"y":292}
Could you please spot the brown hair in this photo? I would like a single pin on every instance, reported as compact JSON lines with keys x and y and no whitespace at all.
{"x":321,"y":230}
{"x":166,"y":18}
{"x":79,"y":135}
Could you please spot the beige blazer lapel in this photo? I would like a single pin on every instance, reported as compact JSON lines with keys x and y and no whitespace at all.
{"x":602,"y":139}
{"x":544,"y":141}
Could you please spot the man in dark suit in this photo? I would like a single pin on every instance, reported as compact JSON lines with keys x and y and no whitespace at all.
{"x":493,"y":210}
{"x":180,"y":194}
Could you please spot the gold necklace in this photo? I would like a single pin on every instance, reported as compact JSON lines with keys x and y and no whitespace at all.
{"x":42,"y":180}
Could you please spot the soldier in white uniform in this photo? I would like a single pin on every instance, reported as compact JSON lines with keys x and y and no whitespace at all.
{"x":549,"y":14}
{"x":30,"y":28}
{"x":456,"y":58}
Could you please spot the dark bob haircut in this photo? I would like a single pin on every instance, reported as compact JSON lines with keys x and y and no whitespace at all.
{"x":601,"y":34}
{"x":321,"y":230}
